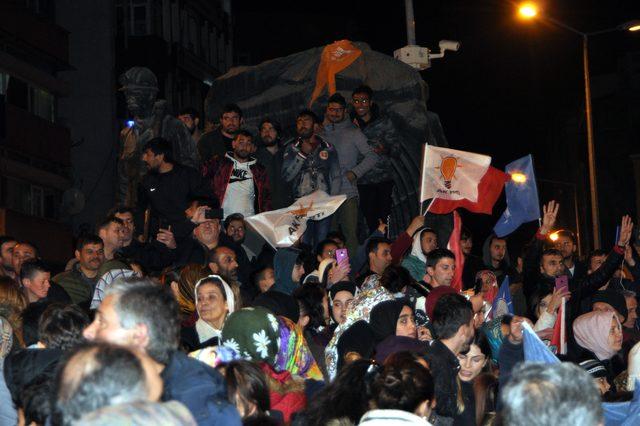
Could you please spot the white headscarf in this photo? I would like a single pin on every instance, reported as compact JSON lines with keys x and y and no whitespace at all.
{"x":204,"y":329}
{"x":416,"y":247}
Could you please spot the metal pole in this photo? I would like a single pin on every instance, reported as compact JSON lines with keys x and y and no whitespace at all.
{"x":595,"y":216}
{"x":411,"y":23}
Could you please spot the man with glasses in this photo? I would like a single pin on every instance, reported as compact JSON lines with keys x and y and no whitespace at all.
{"x":241,"y":185}
{"x":376,"y":185}
{"x":350,"y":145}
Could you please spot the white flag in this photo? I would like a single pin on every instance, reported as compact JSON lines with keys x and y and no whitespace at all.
{"x":283,"y":227}
{"x":450,"y":174}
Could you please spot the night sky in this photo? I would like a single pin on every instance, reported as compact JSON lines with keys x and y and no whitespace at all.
{"x":509,"y":90}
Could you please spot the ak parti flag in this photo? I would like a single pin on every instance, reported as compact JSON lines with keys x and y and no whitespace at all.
{"x":459,"y":179}
{"x":522,"y":197}
{"x":335,"y":58}
{"x":456,"y":248}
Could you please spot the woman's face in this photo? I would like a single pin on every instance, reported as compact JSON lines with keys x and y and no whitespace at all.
{"x":211,"y":305}
{"x":615,"y":335}
{"x":406,"y":325}
{"x":341,"y":301}
{"x":471,"y":363}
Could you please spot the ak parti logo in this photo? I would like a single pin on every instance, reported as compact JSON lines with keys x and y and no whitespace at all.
{"x":448,"y":167}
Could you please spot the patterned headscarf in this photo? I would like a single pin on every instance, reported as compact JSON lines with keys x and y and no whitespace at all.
{"x":258,"y":335}
{"x":253,"y":333}
{"x":6,"y":337}
{"x":294,"y":354}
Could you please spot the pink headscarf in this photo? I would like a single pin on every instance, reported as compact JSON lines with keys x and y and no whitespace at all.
{"x":591,"y":331}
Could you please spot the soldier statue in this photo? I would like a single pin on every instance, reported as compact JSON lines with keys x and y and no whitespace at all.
{"x":151,"y":119}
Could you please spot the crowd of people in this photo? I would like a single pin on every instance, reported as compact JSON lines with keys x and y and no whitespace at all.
{"x":165,"y":315}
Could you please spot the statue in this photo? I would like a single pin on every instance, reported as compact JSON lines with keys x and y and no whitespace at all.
{"x":151,"y":119}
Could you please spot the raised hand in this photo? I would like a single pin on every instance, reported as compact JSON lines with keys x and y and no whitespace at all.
{"x":549,"y":215}
{"x":416,"y":223}
{"x":626,"y":228}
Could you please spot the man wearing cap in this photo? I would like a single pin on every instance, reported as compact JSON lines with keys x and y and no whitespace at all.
{"x":149,"y":119}
{"x":599,"y":374}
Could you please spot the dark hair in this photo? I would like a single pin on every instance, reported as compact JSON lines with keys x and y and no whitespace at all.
{"x":346,"y":396}
{"x":274,"y":123}
{"x":190,"y":111}
{"x":31,"y":320}
{"x":550,"y":252}
{"x":31,"y":267}
{"x":568,"y":234}
{"x":481,"y":341}
{"x":374,"y":242}
{"x":402,"y":386}
{"x":31,"y":244}
{"x":231,"y":218}
{"x":363,"y":89}
{"x":245,"y":133}
{"x":440,"y":253}
{"x":160,"y":146}
{"x":395,"y":278}
{"x":247,"y":384}
{"x":595,"y":253}
{"x":6,"y":239}
{"x":121,"y":210}
{"x":322,"y":244}
{"x":309,"y":297}
{"x":108,"y":221}
{"x":308,"y":113}
{"x":35,"y":400}
{"x":336,"y":234}
{"x":140,"y":301}
{"x":110,"y":375}
{"x":231,"y":108}
{"x":465,"y":234}
{"x":485,"y":389}
{"x":258,"y":274}
{"x":87,"y":239}
{"x":494,"y":237}
{"x":61,"y":326}
{"x":337,"y":98}
{"x":451,"y":312}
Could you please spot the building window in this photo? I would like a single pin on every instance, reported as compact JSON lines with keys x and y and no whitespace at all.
{"x":4,"y":83}
{"x":139,"y":18}
{"x":30,"y":199}
{"x":41,"y":103}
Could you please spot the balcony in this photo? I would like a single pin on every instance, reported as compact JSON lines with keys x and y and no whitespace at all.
{"x":21,"y":30}
{"x":33,"y":136}
{"x":52,"y":238}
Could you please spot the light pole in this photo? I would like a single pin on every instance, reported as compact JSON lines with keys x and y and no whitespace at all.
{"x":529,"y":11}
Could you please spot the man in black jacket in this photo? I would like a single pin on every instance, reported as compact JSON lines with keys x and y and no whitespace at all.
{"x":453,"y":325}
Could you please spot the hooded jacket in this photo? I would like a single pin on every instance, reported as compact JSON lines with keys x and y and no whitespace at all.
{"x":505,"y":267}
{"x":283,"y":264}
{"x":351,"y":144}
{"x":201,"y":388}
{"x":218,"y":171}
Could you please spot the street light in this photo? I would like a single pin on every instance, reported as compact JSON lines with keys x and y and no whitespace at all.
{"x":529,"y":11}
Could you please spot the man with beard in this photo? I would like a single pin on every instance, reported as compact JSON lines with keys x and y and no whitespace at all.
{"x":223,"y":262}
{"x":80,"y":281}
{"x":237,"y":180}
{"x":566,"y":243}
{"x":166,"y":190}
{"x":190,"y":117}
{"x":236,"y":229}
{"x":6,"y":255}
{"x":269,"y":154}
{"x":453,"y":324}
{"x":219,"y":141}
{"x":311,"y":164}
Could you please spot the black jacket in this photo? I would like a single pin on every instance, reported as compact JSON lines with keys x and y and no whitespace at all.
{"x":152,"y":256}
{"x":444,"y":367}
{"x":25,"y":365}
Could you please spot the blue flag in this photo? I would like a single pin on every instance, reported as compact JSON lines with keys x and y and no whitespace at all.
{"x":623,"y":413}
{"x":522,"y":197}
{"x":534,"y":349}
{"x":502,"y":303}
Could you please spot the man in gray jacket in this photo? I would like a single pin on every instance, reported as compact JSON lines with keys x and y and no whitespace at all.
{"x":350,"y":143}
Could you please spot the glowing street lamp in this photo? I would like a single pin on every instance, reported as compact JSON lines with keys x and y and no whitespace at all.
{"x":529,"y":11}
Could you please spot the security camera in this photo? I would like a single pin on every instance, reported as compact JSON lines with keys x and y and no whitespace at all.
{"x":449,"y":45}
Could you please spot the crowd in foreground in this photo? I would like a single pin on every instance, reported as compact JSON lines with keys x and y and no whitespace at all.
{"x":167,"y":316}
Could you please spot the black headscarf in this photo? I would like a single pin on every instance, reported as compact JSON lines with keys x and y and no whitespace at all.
{"x":384,"y":318}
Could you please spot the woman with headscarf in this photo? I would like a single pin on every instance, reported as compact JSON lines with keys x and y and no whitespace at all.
{"x":340,"y":297}
{"x":598,"y":335}
{"x":214,"y":301}
{"x":394,"y":329}
{"x":278,"y":344}
{"x":425,"y":240}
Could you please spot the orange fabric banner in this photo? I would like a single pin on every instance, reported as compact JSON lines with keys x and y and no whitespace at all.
{"x":335,"y":57}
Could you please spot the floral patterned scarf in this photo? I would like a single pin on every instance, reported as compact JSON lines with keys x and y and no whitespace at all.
{"x":294,"y":354}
